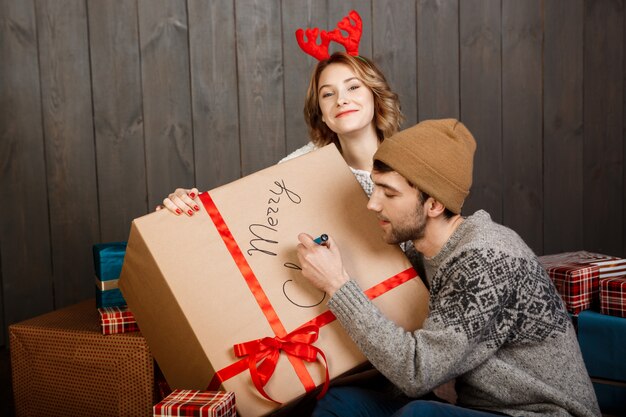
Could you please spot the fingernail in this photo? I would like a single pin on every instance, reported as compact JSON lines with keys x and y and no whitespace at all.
{"x":179,"y":211}
{"x":196,"y":208}
{"x":190,"y":212}
{"x":192,"y":195}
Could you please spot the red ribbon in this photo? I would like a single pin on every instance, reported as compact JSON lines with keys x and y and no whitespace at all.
{"x":261,"y":356}
{"x":266,"y":351}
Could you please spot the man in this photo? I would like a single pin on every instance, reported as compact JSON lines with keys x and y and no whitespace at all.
{"x":496,"y":323}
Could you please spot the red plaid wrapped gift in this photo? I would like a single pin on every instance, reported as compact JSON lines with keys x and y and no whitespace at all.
{"x":117,"y":320}
{"x":576,"y":276}
{"x":196,"y":403}
{"x":613,"y":296}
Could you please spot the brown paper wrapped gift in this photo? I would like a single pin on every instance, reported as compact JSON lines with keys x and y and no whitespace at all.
{"x":62,"y":365}
{"x":228,"y":275}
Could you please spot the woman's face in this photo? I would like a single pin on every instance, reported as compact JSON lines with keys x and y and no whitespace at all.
{"x":347,"y":105}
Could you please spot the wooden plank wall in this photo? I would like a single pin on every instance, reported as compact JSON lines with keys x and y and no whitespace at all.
{"x":108,"y":105}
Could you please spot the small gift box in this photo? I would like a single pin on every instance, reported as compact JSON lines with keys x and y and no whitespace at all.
{"x":117,"y":320}
{"x":613,"y":296}
{"x":108,"y":259}
{"x":576,"y":276}
{"x":196,"y":403}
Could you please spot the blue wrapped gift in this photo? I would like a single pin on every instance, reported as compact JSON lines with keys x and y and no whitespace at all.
{"x":108,"y":259}
{"x":602,"y":342}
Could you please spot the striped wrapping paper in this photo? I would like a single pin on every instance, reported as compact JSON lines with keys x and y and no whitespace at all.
{"x":117,"y":320}
{"x":613,"y":296}
{"x":196,"y":403}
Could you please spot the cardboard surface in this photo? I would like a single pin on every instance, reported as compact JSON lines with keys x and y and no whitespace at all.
{"x":193,"y":304}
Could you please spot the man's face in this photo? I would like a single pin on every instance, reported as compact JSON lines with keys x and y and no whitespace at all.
{"x":398,"y":207}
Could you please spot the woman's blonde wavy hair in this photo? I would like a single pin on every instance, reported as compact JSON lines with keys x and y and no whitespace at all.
{"x":387,"y":113}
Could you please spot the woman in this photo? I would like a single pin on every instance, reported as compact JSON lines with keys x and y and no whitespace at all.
{"x":348,"y":103}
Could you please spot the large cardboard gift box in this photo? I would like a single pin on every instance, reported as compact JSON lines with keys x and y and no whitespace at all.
{"x":229,"y":275}
{"x":62,"y":365}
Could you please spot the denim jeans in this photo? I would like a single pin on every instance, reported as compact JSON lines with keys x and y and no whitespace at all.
{"x":350,"y":401}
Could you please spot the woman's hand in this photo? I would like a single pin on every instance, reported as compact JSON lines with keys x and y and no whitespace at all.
{"x":181,"y":201}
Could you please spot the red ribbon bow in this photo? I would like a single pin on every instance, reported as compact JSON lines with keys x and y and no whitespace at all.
{"x":263,"y":355}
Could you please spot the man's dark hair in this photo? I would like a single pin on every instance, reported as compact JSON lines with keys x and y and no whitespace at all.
{"x":382,"y":167}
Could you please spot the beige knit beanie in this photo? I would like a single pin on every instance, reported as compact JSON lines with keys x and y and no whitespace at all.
{"x":436,"y":156}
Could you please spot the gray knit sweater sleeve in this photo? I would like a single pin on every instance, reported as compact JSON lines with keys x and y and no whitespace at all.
{"x":495,"y":323}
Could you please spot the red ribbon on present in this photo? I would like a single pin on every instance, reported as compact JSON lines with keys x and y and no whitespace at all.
{"x":297,"y":344}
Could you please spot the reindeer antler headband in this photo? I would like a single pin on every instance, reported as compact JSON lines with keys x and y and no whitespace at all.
{"x":320,"y":52}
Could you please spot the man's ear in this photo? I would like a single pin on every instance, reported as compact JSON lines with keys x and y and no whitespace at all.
{"x":434,"y":207}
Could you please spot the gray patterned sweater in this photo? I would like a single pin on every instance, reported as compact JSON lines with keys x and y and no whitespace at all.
{"x":496,"y":323}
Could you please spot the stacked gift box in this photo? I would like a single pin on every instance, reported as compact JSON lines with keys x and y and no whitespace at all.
{"x":192,"y":403}
{"x":587,"y":280}
{"x":108,"y":259}
{"x":593,"y":288}
{"x":62,"y":365}
{"x":115,"y":317}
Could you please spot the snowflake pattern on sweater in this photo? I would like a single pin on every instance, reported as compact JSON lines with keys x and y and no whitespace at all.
{"x":486,"y":285}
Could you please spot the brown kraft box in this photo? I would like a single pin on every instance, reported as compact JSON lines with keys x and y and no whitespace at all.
{"x":200,"y":285}
{"x":62,"y":365}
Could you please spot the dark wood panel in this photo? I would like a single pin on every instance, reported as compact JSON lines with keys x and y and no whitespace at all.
{"x":213,"y":61}
{"x":69,"y":145}
{"x":118,"y":115}
{"x":26,"y":268}
{"x":394,"y":46}
{"x":603,"y":188}
{"x":337,"y":10}
{"x":563,"y":126}
{"x":166,"y":97}
{"x":438,"y":59}
{"x":522,"y":36}
{"x":298,"y":65}
{"x":481,"y":100}
{"x":260,"y":71}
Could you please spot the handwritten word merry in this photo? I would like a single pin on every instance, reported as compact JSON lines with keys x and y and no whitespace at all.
{"x":262,"y":231}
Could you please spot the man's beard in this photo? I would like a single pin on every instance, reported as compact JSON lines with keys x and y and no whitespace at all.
{"x":411,"y":227}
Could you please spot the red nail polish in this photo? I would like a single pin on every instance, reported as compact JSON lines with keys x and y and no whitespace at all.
{"x":192,"y":195}
{"x":190,"y":212}
{"x":196,"y":208}
{"x":179,"y":211}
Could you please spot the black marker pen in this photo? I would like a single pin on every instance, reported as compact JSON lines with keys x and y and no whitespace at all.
{"x":321,"y":239}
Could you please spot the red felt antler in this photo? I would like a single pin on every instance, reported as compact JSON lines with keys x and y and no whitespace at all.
{"x":320,"y":52}
{"x":311,"y":47}
{"x":351,"y":42}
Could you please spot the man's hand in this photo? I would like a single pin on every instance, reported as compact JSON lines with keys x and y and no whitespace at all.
{"x":321,"y":264}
